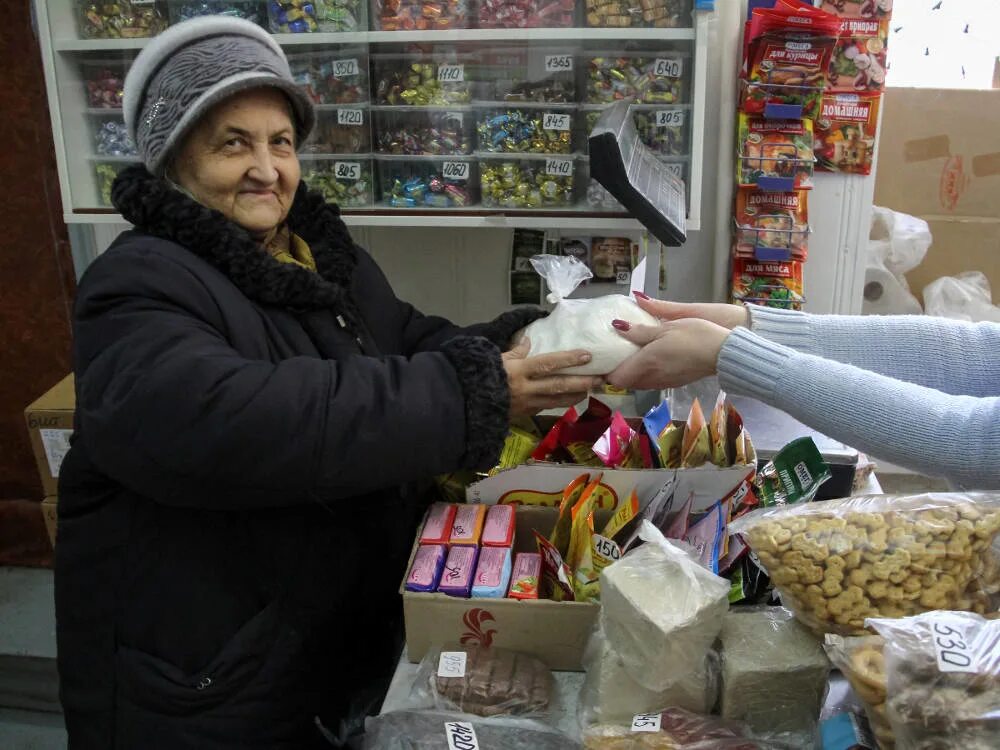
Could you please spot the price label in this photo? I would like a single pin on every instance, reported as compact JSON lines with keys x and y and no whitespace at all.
{"x":347,"y":170}
{"x":608,"y":548}
{"x":451,"y":73}
{"x":455,"y":117}
{"x":456,"y":171}
{"x":668,"y":67}
{"x":675,"y":168}
{"x":559,"y":167}
{"x":461,"y":735}
{"x":953,"y":653}
{"x":623,"y":278}
{"x":452,"y":664}
{"x":670,"y":118}
{"x":558,"y":63}
{"x":350,"y":117}
{"x":345,"y":68}
{"x":553,"y":121}
{"x":646,"y":723}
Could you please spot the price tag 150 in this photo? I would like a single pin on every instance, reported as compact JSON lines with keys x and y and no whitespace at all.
{"x":345,"y":68}
{"x":347,"y":170}
{"x":559,"y":167}
{"x":461,"y":735}
{"x":558,"y":63}
{"x":670,"y":118}
{"x":350,"y":117}
{"x":553,"y":121}
{"x":452,"y":664}
{"x":456,"y":171}
{"x":451,"y":73}
{"x":953,"y":652}
{"x":646,"y":723}
{"x":668,"y":67}
{"x":608,"y":548}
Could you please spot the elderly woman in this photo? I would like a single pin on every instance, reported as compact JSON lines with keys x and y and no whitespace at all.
{"x":254,"y":406}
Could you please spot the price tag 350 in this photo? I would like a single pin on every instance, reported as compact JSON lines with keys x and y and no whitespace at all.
{"x":553,"y":121}
{"x":350,"y":117}
{"x":668,"y":67}
{"x":559,"y":167}
{"x":646,"y":723}
{"x":345,"y":68}
{"x":451,"y":73}
{"x":456,"y":171}
{"x":347,"y":170}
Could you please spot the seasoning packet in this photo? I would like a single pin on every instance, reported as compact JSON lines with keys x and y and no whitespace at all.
{"x":859,"y":61}
{"x":717,"y":433}
{"x":696,"y":446}
{"x":740,"y":447}
{"x":573,"y":435}
{"x":707,"y":536}
{"x":677,"y":528}
{"x":771,"y":225}
{"x":556,"y":577}
{"x":656,"y":511}
{"x":564,"y":523}
{"x":772,"y":284}
{"x":518,"y":447}
{"x":586,"y":586}
{"x":665,"y":436}
{"x":775,"y":154}
{"x":619,"y":446}
{"x":846,"y":133}
{"x":525,"y":576}
{"x":794,"y":475}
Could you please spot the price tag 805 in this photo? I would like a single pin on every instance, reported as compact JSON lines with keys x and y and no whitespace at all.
{"x":554,"y":121}
{"x":452,"y":664}
{"x":345,"y":68}
{"x":559,"y":167}
{"x":347,"y":170}
{"x":670,"y":118}
{"x":350,"y":117}
{"x":451,"y":73}
{"x":558,"y":63}
{"x":668,"y":67}
{"x":646,"y":723}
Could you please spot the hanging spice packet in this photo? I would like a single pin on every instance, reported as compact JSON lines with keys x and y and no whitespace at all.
{"x":696,"y":447}
{"x":772,"y":225}
{"x":846,"y":133}
{"x":775,"y":154}
{"x":859,"y":61}
{"x":794,"y":475}
{"x":772,"y":284}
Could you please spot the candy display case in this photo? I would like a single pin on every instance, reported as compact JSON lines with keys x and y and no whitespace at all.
{"x":504,"y":127}
{"x":423,"y":130}
{"x":123,"y":19}
{"x":661,"y":14}
{"x":654,"y":77}
{"x":251,"y":10}
{"x":420,"y":15}
{"x":335,"y":75}
{"x":104,"y":171}
{"x":525,"y":14}
{"x":427,"y":181}
{"x":664,"y":129}
{"x":110,"y":137}
{"x":104,"y":82}
{"x":317,"y":16}
{"x":527,"y":181}
{"x":340,"y":130}
{"x":344,"y":179}
{"x":525,"y":74}
{"x":421,"y":80}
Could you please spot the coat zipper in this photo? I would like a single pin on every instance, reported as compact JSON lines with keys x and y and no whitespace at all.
{"x":343,"y":324}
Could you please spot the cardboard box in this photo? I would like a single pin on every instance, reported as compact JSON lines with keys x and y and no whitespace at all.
{"x":939,"y":159}
{"x":50,"y":424}
{"x":51,"y":517}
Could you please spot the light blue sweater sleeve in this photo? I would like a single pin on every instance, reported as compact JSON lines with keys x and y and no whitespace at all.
{"x":927,"y":430}
{"x":948,"y":355}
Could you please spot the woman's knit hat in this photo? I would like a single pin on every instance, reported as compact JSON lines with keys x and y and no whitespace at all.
{"x":191,"y":67}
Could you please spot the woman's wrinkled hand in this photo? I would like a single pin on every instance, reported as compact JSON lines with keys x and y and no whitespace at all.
{"x":535,"y":384}
{"x":673,"y":354}
{"x":727,"y":316}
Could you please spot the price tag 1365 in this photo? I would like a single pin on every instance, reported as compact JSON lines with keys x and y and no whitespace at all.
{"x":670,"y":118}
{"x":559,"y":167}
{"x":954,"y":653}
{"x":558,"y":63}
{"x":345,"y":68}
{"x":646,"y":723}
{"x":553,"y":121}
{"x":455,"y":171}
{"x":451,"y":73}
{"x":668,"y":67}
{"x":347,"y":170}
{"x":452,"y":664}
{"x":350,"y":117}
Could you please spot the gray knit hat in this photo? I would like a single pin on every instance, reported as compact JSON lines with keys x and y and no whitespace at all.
{"x":194,"y":65}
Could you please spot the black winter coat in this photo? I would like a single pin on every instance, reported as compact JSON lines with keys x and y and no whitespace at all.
{"x":235,"y":512}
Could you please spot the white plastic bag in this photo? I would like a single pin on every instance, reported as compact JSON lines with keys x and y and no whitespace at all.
{"x":897,"y":244}
{"x":582,"y":323}
{"x":963,"y":297}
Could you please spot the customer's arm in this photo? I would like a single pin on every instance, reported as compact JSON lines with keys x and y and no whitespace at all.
{"x":935,"y":433}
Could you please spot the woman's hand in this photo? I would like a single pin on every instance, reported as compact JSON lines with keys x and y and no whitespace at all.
{"x":673,"y":354}
{"x":727,"y":316}
{"x":534,"y":386}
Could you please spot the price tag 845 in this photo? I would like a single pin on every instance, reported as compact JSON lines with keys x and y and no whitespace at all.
{"x":554,"y":121}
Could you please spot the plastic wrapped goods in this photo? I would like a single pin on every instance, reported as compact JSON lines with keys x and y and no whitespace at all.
{"x":583,"y":323}
{"x":671,"y":729}
{"x":774,"y":672}
{"x":661,"y":610}
{"x":838,"y":562}
{"x":862,"y":662}
{"x":420,"y":730}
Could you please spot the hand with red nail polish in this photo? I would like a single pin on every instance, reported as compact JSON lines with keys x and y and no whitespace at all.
{"x":727,"y":316}
{"x":675,"y":353}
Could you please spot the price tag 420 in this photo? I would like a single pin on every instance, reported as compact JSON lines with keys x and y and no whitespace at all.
{"x":452,"y":664}
{"x":646,"y":723}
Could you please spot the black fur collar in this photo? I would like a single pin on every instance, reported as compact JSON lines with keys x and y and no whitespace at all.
{"x":156,"y":208}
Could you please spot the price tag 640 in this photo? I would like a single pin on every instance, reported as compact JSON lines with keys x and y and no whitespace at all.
{"x":345,"y":68}
{"x":452,"y":664}
{"x":347,"y":170}
{"x":558,"y":63}
{"x":668,"y":67}
{"x":553,"y":121}
{"x":670,"y":118}
{"x":953,"y":651}
{"x":451,"y":73}
{"x":646,"y":723}
{"x":559,"y":167}
{"x":350,"y":117}
{"x":456,"y":171}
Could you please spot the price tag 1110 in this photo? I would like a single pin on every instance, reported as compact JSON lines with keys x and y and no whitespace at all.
{"x":451,"y":73}
{"x":350,"y":117}
{"x":670,"y":118}
{"x":559,"y":167}
{"x":668,"y":67}
{"x":345,"y":68}
{"x":455,"y":171}
{"x":452,"y":664}
{"x":553,"y":121}
{"x":558,"y":63}
{"x":347,"y":170}
{"x":646,"y":723}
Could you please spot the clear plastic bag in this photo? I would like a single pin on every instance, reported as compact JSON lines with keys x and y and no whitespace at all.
{"x":837,"y":562}
{"x":582,"y":323}
{"x":431,"y":730}
{"x":943,"y":679}
{"x":897,"y":243}
{"x":661,"y":610}
{"x":672,"y":729}
{"x":964,"y":297}
{"x":774,"y":673}
{"x":862,"y":662}
{"x":482,"y":681}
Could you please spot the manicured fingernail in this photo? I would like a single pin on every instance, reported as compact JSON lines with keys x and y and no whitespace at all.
{"x":621,"y":325}
{"x":640,"y":295}
{"x":584,"y":358}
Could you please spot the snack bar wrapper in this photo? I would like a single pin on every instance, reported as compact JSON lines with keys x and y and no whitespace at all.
{"x":425,"y":572}
{"x":619,"y":446}
{"x":794,"y":475}
{"x":665,"y":435}
{"x":492,"y":573}
{"x":459,"y":570}
{"x":525,"y":577}
{"x":437,"y":525}
{"x":498,"y":531}
{"x":696,"y":447}
{"x":582,"y":323}
{"x":468,"y":524}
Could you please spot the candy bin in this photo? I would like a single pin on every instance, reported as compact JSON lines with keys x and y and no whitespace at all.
{"x":416,"y":80}
{"x":423,"y":130}
{"x":525,"y":128}
{"x":664,"y":129}
{"x":344,"y":130}
{"x":427,"y":181}
{"x":659,"y":14}
{"x":344,"y":179}
{"x":251,"y":10}
{"x":525,"y":14}
{"x":342,"y":15}
{"x":527,"y":181}
{"x":106,"y":169}
{"x":648,"y":77}
{"x":420,"y":15}
{"x":525,"y":74}
{"x":596,"y":197}
{"x":293,"y":16}
{"x":334,"y":76}
{"x":111,"y":137}
{"x":104,"y":81}
{"x":123,"y":19}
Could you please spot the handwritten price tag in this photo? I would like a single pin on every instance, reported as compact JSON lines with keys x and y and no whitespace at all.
{"x":461,"y":735}
{"x":670,"y":118}
{"x":452,"y":664}
{"x":559,"y":167}
{"x":345,"y":68}
{"x":456,"y":171}
{"x":451,"y":73}
{"x":608,"y":548}
{"x":558,"y":63}
{"x":347,"y":170}
{"x":552,"y":121}
{"x":953,"y":653}
{"x":675,"y":168}
{"x":350,"y":117}
{"x":646,"y":723}
{"x":668,"y":67}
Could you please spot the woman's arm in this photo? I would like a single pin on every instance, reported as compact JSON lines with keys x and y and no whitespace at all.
{"x":935,"y":433}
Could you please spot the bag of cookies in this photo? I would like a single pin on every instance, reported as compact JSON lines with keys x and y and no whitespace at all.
{"x":862,"y":662}
{"x":482,"y":681}
{"x":943,"y":680}
{"x":838,"y":562}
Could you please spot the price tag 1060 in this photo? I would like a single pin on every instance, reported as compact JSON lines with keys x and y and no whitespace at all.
{"x":670,"y":118}
{"x":350,"y":117}
{"x":954,"y":653}
{"x":347,"y":170}
{"x":553,"y":121}
{"x":558,"y":63}
{"x":451,"y":73}
{"x":668,"y":67}
{"x":646,"y":723}
{"x":559,"y":167}
{"x":452,"y":664}
{"x":455,"y":171}
{"x":345,"y":68}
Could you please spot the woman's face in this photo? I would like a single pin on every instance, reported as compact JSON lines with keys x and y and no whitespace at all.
{"x":240,"y":160}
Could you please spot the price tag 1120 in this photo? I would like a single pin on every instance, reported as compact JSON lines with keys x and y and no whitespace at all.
{"x":646,"y":723}
{"x":451,"y":73}
{"x":558,"y":63}
{"x":345,"y":68}
{"x":347,"y":170}
{"x":670,"y":118}
{"x":452,"y":664}
{"x":350,"y":117}
{"x":668,"y":67}
{"x":554,"y":121}
{"x":559,"y":167}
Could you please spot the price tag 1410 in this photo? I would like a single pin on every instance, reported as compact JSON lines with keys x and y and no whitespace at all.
{"x":646,"y":723}
{"x":670,"y":118}
{"x":558,"y":63}
{"x":345,"y":68}
{"x":559,"y":167}
{"x":350,"y":117}
{"x":455,"y":171}
{"x":347,"y":170}
{"x":553,"y":121}
{"x":451,"y":73}
{"x":452,"y":664}
{"x":668,"y":67}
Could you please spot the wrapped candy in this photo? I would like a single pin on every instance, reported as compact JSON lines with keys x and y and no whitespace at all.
{"x":660,"y":14}
{"x":346,"y":182}
{"x":332,"y":78}
{"x":420,"y":15}
{"x":105,"y":85}
{"x":400,"y":80}
{"x":124,"y":19}
{"x":251,"y":10}
{"x":106,"y":172}
{"x":526,"y":74}
{"x":663,"y":129}
{"x":429,"y":182}
{"x":340,"y":131}
{"x":647,"y":78}
{"x":415,"y":130}
{"x":293,"y":16}
{"x":342,"y":15}
{"x":536,"y":130}
{"x":112,"y":139}
{"x":525,"y":182}
{"x":525,"y":14}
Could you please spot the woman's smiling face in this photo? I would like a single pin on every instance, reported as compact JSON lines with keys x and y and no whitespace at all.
{"x":240,"y":160}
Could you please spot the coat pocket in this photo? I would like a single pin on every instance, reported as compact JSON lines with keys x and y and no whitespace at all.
{"x":156,"y":685}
